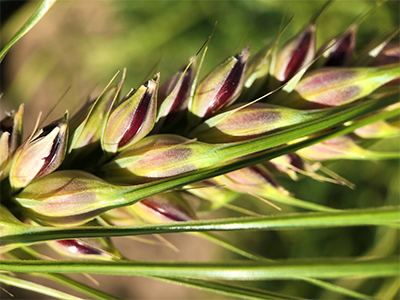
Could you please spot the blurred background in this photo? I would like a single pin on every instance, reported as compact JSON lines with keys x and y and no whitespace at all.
{"x":79,"y":45}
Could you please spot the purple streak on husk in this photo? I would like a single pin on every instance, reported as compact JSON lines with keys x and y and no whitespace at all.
{"x":298,"y":56}
{"x":228,"y":88}
{"x":137,"y":119}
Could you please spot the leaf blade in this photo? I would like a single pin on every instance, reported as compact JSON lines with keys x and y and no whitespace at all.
{"x":42,"y":9}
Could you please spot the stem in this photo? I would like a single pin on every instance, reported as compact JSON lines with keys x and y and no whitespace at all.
{"x":357,"y":217}
{"x":31,"y":286}
{"x":242,"y":270}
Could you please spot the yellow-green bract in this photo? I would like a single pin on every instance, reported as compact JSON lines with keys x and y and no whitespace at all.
{"x":41,"y":154}
{"x":243,"y":123}
{"x":296,"y":54}
{"x":160,"y":156}
{"x":66,"y":198}
{"x":337,"y":86}
{"x":133,"y":119}
{"x":220,"y":88}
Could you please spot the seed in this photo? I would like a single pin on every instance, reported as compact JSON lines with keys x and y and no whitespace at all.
{"x":133,"y":119}
{"x":221,"y":87}
{"x":41,"y":154}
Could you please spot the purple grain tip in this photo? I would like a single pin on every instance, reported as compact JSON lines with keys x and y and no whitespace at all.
{"x":229,"y":87}
{"x":299,"y":54}
{"x":137,"y":119}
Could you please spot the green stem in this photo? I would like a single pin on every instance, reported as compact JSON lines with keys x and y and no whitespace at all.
{"x":34,"y":287}
{"x":31,"y":254}
{"x":372,"y":155}
{"x":245,"y":253}
{"x":337,"y":289}
{"x":242,"y":270}
{"x":78,"y":286}
{"x":228,"y":289}
{"x":288,"y":200}
{"x":358,"y":217}
{"x":229,"y":246}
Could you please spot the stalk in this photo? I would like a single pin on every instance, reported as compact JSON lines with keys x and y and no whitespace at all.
{"x":244,"y":270}
{"x":387,"y":216}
